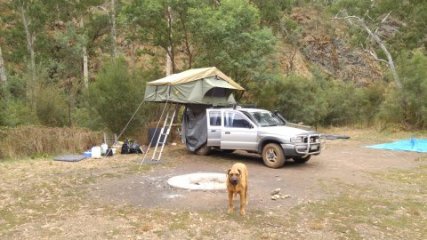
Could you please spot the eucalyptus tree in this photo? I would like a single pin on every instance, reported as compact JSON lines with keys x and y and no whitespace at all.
{"x":226,"y":34}
{"x":3,"y":77}
{"x":29,"y":18}
{"x":155,"y":24}
{"x":230,"y":37}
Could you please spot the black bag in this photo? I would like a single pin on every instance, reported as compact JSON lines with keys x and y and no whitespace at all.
{"x":109,"y":152}
{"x":125,"y":147}
{"x":130,"y":147}
{"x":134,"y":148}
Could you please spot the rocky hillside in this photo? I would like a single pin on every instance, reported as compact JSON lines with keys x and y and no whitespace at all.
{"x":325,"y":44}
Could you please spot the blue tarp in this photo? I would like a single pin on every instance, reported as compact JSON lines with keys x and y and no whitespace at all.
{"x":413,"y":145}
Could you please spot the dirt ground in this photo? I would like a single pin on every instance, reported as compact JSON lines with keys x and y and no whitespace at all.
{"x":342,"y":160}
{"x":347,"y":192}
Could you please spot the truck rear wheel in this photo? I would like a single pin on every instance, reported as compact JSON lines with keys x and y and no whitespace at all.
{"x":273,"y":156}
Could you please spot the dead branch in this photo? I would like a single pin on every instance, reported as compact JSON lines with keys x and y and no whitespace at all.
{"x":375,"y":56}
{"x":360,"y":22}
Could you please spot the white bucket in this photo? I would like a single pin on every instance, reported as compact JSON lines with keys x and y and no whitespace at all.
{"x":104,"y":148}
{"x":96,"y":152}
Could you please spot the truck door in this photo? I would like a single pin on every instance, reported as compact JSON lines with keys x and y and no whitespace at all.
{"x":214,"y":128}
{"x":238,"y":132}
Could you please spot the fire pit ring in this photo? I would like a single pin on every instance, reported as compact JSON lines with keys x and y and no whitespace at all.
{"x":199,"y":181}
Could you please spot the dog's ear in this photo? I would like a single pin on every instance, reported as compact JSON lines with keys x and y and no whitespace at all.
{"x":228,"y":171}
{"x":240,"y":171}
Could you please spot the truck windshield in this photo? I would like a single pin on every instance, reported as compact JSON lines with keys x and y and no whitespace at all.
{"x":266,"y":119}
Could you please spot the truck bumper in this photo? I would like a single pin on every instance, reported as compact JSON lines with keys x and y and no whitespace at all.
{"x":293,"y":150}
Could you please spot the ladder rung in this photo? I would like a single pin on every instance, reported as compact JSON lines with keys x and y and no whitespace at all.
{"x":164,"y":133}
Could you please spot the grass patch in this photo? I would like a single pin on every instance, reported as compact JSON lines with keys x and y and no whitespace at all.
{"x":416,"y":177}
{"x":398,"y":211}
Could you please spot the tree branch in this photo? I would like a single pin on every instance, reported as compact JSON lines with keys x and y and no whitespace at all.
{"x":374,"y":55}
{"x":376,"y":38}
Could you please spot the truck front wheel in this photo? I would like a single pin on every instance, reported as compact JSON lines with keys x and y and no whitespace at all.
{"x":273,"y":156}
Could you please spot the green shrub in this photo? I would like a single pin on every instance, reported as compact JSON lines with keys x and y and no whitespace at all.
{"x":51,"y":106}
{"x":117,"y":93}
{"x":84,"y":116}
{"x":15,"y":112}
{"x":298,"y":99}
{"x":348,"y":104}
{"x":321,"y":101}
{"x":408,"y":106}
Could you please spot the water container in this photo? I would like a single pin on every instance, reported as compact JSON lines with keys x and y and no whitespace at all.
{"x":96,"y":152}
{"x":104,"y":148}
{"x":88,"y":154}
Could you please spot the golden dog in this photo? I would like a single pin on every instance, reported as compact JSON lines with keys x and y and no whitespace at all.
{"x":237,"y":183}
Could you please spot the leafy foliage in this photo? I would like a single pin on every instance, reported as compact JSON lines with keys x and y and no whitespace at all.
{"x":243,"y":38}
{"x":321,"y":101}
{"x":116,"y":94}
{"x":51,"y":107}
{"x":297,"y":98}
{"x":231,"y":38}
{"x":408,"y":106}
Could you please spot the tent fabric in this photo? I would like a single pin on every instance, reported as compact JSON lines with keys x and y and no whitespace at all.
{"x":194,"y":125}
{"x":207,"y":86}
{"x":194,"y":75}
{"x":413,"y":145}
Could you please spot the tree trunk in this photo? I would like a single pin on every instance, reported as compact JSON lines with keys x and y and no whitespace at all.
{"x":170,"y":62}
{"x":187,"y":42}
{"x":113,"y":28}
{"x":30,"y":47}
{"x":85,"y":60}
{"x":387,"y":53}
{"x":85,"y":68}
{"x":3,"y":77}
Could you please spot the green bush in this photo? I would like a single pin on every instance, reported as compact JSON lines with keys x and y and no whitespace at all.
{"x":321,"y":101}
{"x":408,"y":106}
{"x":117,"y":93}
{"x":15,"y":112}
{"x":84,"y":116}
{"x":51,"y":107}
{"x":298,"y":99}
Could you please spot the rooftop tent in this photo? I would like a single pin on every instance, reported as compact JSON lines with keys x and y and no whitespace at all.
{"x":207,"y":86}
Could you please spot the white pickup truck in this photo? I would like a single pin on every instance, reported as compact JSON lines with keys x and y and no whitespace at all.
{"x":257,"y":131}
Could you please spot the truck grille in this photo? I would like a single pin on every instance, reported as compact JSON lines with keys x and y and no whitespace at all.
{"x":312,"y":139}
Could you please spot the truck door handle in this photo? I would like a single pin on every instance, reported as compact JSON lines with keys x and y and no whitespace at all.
{"x":213,"y":130}
{"x":227,"y":132}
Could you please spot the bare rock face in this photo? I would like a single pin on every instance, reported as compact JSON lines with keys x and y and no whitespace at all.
{"x":325,"y":43}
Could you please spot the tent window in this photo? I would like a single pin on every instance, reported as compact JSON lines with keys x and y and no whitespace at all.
{"x":217,"y":92}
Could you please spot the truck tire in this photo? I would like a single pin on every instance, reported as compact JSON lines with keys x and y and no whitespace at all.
{"x":273,"y":155}
{"x":301,"y":159}
{"x":203,"y":150}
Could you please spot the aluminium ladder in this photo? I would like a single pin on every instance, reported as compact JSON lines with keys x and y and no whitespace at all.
{"x":164,"y":132}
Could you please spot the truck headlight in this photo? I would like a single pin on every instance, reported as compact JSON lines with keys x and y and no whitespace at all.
{"x":298,"y":139}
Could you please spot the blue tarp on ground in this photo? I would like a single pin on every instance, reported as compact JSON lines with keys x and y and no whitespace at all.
{"x":413,"y":145}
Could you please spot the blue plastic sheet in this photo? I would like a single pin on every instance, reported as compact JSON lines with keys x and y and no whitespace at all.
{"x":412,"y":144}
